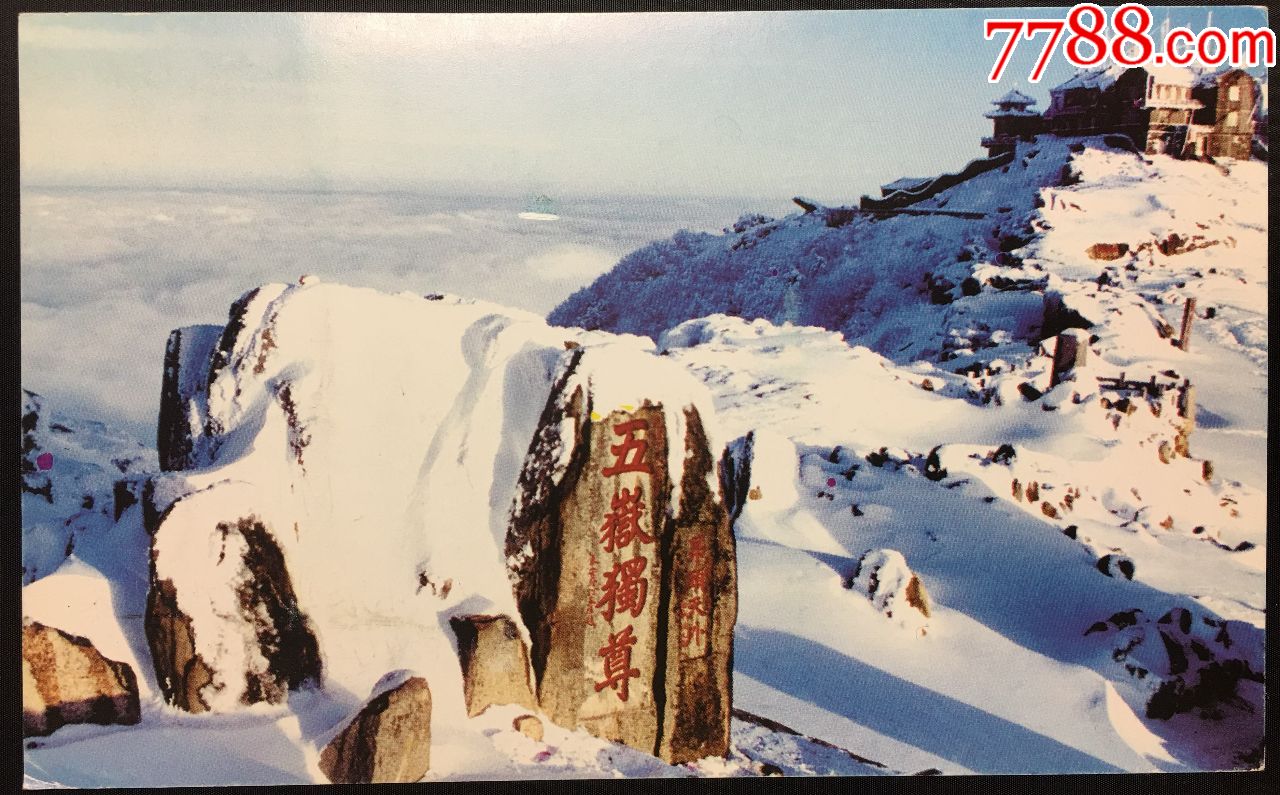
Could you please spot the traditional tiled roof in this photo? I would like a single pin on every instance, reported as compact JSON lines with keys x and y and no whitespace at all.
{"x":1014,"y":97}
{"x":1099,"y":77}
{"x":1004,"y":113}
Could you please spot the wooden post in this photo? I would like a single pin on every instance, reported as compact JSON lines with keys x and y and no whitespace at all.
{"x":1071,"y":351}
{"x":1187,"y":409}
{"x":1187,"y":402}
{"x":1188,"y":314}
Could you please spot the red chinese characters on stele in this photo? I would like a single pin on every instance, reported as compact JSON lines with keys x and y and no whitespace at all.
{"x":626,"y":586}
{"x":695,"y":607}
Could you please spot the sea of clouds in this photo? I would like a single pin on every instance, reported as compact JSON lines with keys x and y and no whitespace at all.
{"x":106,"y":273}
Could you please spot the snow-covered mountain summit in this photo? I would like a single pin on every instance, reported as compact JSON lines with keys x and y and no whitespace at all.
{"x":937,"y":287}
{"x":906,"y":361}
{"x":952,"y":553}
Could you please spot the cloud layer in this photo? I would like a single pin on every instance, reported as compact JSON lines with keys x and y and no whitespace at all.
{"x":107,"y":273}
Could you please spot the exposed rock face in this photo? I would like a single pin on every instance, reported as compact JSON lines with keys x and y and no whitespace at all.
{"x":735,"y":475}
{"x":255,"y":617}
{"x":186,"y":372}
{"x":389,"y":739}
{"x":896,"y":591}
{"x":1071,"y":352}
{"x":66,"y":680}
{"x":495,"y":663}
{"x":1189,"y":661}
{"x":529,"y":726}
{"x":702,"y":612}
{"x":759,"y":477}
{"x":1107,"y":251}
{"x":126,"y":493}
{"x":624,"y":570}
{"x":180,"y":670}
{"x":34,"y":426}
{"x":1117,"y":566}
{"x":1059,"y":317}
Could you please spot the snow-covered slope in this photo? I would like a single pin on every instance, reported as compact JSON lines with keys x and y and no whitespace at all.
{"x":890,"y":283}
{"x":69,"y":467}
{"x":370,"y":443}
{"x":1005,"y":678}
{"x":947,"y":289}
{"x":1095,"y":591}
{"x":934,"y":346}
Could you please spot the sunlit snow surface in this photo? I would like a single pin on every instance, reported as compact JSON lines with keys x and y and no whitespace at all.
{"x":1005,"y":679}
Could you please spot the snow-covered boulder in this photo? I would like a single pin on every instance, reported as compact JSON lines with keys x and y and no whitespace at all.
{"x":894,"y":589}
{"x":361,"y":449}
{"x":618,"y":517}
{"x":262,"y":643}
{"x":761,"y":474}
{"x":66,"y":680}
{"x":354,"y":462}
{"x":388,"y":741}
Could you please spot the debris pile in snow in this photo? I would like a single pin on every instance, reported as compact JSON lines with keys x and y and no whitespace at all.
{"x":1187,"y":660}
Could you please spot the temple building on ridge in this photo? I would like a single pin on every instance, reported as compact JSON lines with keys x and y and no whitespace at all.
{"x":1012,"y":121}
{"x":1175,"y":110}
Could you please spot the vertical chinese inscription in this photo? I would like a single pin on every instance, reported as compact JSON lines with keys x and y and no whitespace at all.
{"x":603,"y":652}
{"x":629,"y":596}
{"x":702,"y":609}
{"x":694,"y":607}
{"x":625,"y":589}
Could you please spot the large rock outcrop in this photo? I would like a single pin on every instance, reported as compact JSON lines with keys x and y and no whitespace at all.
{"x":623,"y":561}
{"x":312,"y":533}
{"x":187,"y":359}
{"x":66,"y":680}
{"x":353,"y":462}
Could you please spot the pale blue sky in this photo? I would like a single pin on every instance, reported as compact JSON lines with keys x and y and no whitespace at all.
{"x":827,"y":103}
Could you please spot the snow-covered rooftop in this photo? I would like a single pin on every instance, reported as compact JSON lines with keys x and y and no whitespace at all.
{"x":1174,"y":75}
{"x":1099,"y":77}
{"x":1007,"y":112}
{"x":1207,"y":78}
{"x":1014,"y":97}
